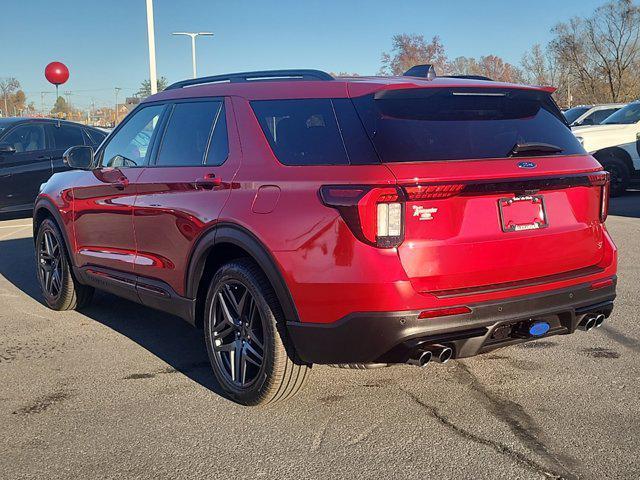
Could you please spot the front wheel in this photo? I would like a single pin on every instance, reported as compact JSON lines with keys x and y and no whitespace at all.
{"x":60,"y":290}
{"x":246,"y":340}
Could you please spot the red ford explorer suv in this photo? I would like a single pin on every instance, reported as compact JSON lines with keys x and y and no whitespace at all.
{"x":300,"y":218}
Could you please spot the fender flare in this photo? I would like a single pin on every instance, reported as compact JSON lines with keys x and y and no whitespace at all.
{"x":241,"y":237}
{"x":44,"y":203}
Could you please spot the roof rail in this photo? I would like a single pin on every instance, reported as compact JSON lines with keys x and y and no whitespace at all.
{"x":258,"y":76}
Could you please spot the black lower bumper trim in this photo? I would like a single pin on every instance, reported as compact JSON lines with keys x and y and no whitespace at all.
{"x":371,"y":337}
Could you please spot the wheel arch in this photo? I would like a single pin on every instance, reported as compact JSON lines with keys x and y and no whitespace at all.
{"x":223,"y":243}
{"x":617,"y":152}
{"x":43,"y":209}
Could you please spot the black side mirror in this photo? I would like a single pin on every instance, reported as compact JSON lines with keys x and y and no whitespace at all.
{"x":79,"y":157}
{"x":7,"y":148}
{"x":587,"y":121}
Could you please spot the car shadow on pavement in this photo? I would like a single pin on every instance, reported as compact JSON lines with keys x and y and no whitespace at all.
{"x":627,"y":205}
{"x":169,"y":338}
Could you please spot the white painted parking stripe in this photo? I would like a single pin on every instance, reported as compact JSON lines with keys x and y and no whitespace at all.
{"x":14,"y":226}
{"x":7,"y":235}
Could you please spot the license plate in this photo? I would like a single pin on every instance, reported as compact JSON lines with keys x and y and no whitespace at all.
{"x":526,"y":212}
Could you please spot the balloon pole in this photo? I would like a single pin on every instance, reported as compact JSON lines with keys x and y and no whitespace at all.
{"x":57,"y":113}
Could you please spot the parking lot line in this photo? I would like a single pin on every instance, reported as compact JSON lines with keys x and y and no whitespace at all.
{"x":7,"y":235}
{"x":15,"y":226}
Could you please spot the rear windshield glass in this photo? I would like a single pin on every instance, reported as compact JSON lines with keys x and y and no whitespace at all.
{"x":451,"y":124}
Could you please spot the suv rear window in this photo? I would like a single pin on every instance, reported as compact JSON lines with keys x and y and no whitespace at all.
{"x":454,"y":124}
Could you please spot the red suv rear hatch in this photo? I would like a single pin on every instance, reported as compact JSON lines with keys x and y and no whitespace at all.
{"x":497,"y":188}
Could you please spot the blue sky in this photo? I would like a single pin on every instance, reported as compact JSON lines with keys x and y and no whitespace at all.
{"x":104,"y":42}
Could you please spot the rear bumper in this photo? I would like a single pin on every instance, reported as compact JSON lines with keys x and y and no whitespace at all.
{"x":372,"y":337}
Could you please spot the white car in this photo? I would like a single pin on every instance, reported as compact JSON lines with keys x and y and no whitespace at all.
{"x":616,"y":145}
{"x":591,"y":114}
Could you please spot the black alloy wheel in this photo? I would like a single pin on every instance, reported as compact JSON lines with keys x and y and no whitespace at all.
{"x":237,"y":333}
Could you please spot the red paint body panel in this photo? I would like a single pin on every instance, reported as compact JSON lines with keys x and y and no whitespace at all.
{"x":103,"y":214}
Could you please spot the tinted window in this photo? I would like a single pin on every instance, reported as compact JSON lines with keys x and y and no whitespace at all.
{"x":129,"y":146}
{"x":626,"y":115}
{"x":27,"y":138}
{"x":219,"y":145}
{"x":302,"y":132}
{"x":187,"y":133}
{"x":598,"y":116}
{"x":447,"y":124}
{"x":573,"y":113}
{"x":65,"y":136}
{"x":96,"y":136}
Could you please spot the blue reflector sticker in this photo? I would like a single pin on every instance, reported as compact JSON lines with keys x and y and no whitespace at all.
{"x":539,"y":328}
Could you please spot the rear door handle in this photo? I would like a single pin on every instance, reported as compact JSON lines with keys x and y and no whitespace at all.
{"x":208,"y":182}
{"x":121,"y":183}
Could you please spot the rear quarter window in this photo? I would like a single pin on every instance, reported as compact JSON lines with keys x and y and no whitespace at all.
{"x":307,"y":132}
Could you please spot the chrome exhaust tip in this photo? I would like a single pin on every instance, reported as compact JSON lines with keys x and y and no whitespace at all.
{"x":588,"y":323}
{"x":600,"y":318}
{"x":445,"y":355}
{"x":420,"y":358}
{"x":440,"y":353}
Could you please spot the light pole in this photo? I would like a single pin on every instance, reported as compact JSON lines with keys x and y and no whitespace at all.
{"x":117,"y":89}
{"x":193,"y":36}
{"x":153,"y":77}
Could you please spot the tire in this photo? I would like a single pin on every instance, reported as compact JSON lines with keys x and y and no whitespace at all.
{"x":620,"y":175}
{"x":61,"y":291}
{"x":245,"y":336}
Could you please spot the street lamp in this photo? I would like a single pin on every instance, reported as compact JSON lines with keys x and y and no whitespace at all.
{"x":152,"y":48}
{"x":193,"y":36}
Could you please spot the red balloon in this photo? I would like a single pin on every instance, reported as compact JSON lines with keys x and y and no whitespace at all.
{"x":57,"y":73}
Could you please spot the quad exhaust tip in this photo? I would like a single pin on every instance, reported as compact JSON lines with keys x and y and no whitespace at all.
{"x":420,"y":358}
{"x":591,"y":321}
{"x":437,"y":353}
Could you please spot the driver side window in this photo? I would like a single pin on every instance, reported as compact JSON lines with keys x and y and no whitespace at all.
{"x":131,"y":145}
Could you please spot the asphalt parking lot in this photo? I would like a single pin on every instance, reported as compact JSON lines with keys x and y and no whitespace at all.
{"x":121,"y":391}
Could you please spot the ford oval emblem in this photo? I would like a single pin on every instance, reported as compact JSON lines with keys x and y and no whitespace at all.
{"x":527,"y":165}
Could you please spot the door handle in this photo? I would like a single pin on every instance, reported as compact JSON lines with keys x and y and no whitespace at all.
{"x":208,"y":182}
{"x":120,"y":184}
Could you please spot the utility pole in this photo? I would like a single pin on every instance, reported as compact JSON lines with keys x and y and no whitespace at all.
{"x":117,"y":89}
{"x":193,"y":36}
{"x":153,"y":77}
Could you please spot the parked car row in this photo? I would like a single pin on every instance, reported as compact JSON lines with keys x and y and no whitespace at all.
{"x":591,"y":114}
{"x":615,"y":142}
{"x":31,"y":151}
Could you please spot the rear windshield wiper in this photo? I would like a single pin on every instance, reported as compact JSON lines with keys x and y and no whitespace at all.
{"x":533,"y":148}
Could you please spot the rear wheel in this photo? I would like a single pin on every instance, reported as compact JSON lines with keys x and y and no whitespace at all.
{"x":246,"y":338}
{"x":60,"y":290}
{"x":620,"y":175}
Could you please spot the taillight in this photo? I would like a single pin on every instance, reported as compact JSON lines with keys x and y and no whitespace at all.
{"x":603,"y":180}
{"x":375,"y":215}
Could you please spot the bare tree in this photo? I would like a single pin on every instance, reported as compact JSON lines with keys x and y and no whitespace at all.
{"x":601,"y":54}
{"x":411,"y":49}
{"x":8,"y":87}
{"x":490,"y":66}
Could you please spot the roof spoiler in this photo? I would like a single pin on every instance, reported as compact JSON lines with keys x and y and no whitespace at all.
{"x":423,"y":71}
